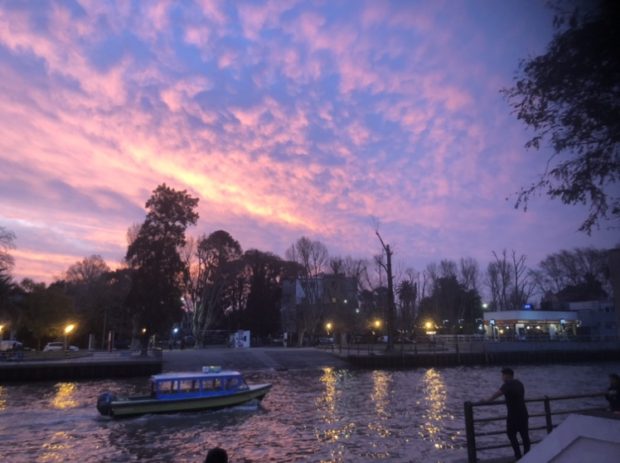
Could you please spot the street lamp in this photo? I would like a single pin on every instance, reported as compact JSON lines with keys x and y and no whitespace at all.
{"x":1,"y":328}
{"x":430,"y":327}
{"x":377,"y":324}
{"x":68,"y":329}
{"x":328,"y":327}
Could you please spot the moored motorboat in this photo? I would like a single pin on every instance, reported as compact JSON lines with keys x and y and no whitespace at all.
{"x":213,"y":388}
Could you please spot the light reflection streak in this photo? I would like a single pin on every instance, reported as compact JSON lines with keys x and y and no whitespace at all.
{"x":57,"y":448}
{"x":436,"y":415}
{"x":65,"y":396}
{"x":380,"y":399}
{"x":2,"y":398}
{"x":327,"y":404}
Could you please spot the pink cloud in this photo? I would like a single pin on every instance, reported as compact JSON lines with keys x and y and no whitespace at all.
{"x":300,"y":124}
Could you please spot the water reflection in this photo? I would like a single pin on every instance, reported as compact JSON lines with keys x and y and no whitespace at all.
{"x":56,"y":449}
{"x":2,"y":397}
{"x":435,"y":414}
{"x":65,"y":396}
{"x":381,"y":383}
{"x":336,"y":426}
{"x":309,"y":416}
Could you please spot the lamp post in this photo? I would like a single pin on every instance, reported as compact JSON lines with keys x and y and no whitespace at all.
{"x":68,"y":329}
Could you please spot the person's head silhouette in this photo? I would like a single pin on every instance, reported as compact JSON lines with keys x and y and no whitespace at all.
{"x":216,"y":455}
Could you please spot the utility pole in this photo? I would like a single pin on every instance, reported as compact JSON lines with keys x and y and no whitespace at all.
{"x":390,"y":305}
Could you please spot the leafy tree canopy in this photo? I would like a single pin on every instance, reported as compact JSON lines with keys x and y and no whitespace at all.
{"x":570,"y":97}
{"x":154,"y":256}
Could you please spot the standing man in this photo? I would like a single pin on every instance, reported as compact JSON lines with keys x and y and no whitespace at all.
{"x":517,"y":419}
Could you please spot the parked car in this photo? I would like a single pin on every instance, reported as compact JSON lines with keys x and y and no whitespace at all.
{"x":58,"y":346}
{"x":10,"y":345}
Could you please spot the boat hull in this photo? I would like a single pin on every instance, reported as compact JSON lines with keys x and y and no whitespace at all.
{"x":142,"y":405}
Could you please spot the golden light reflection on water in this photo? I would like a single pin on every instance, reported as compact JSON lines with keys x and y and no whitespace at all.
{"x":65,"y":396}
{"x":327,"y":403}
{"x":56,"y":449}
{"x":380,"y":399}
{"x":2,"y":398}
{"x":435,"y":414}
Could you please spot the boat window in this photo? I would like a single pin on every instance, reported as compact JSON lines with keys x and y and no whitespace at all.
{"x":165,"y":387}
{"x":211,"y":384}
{"x":187,"y":385}
{"x":232,"y":383}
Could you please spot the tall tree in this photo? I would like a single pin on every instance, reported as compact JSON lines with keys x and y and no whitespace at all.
{"x":262,"y":313}
{"x":573,"y":275}
{"x":312,"y":256}
{"x":153,"y":256}
{"x":509,"y":281}
{"x":407,"y":291}
{"x":209,"y":287}
{"x":7,"y":239}
{"x":7,"y":242}
{"x":452,"y":305}
{"x":46,"y":311}
{"x":570,"y":96}
{"x":86,"y":284}
{"x":469,"y":273}
{"x":390,"y":309}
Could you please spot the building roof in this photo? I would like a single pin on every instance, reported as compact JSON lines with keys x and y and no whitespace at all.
{"x":531,"y":315}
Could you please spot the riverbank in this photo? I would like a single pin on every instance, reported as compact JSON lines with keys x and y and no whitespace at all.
{"x":125,"y":363}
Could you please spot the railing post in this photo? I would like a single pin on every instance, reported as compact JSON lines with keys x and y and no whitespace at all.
{"x":470,"y":432}
{"x":548,"y":421}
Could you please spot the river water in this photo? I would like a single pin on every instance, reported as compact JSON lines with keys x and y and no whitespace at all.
{"x":326,"y":415}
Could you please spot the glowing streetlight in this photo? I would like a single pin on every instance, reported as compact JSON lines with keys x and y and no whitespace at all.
{"x":1,"y":328}
{"x":377,"y":324}
{"x":68,"y":329}
{"x":328,"y":327}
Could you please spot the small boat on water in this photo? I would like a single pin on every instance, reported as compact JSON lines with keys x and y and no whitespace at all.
{"x":212,"y":388}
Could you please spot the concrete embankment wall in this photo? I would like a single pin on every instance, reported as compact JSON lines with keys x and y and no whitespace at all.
{"x":408,"y":360}
{"x":57,"y":371}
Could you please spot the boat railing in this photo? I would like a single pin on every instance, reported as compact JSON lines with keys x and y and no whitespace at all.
{"x":478,"y":429}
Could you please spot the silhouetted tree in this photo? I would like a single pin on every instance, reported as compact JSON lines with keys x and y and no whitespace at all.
{"x":209,"y":286}
{"x":85,"y":283}
{"x":570,"y":267}
{"x":262,"y":314}
{"x":7,"y":242}
{"x":312,"y":257}
{"x":450,"y":301}
{"x":570,"y":96}
{"x":509,"y":281}
{"x":45,"y":312}
{"x":153,"y":256}
{"x":407,"y":292}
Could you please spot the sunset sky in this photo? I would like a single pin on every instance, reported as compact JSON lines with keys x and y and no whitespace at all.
{"x":285,"y":118}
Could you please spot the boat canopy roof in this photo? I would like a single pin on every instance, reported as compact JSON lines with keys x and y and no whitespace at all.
{"x":194,"y":375}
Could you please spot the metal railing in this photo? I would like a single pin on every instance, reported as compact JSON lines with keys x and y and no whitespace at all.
{"x":472,"y":434}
